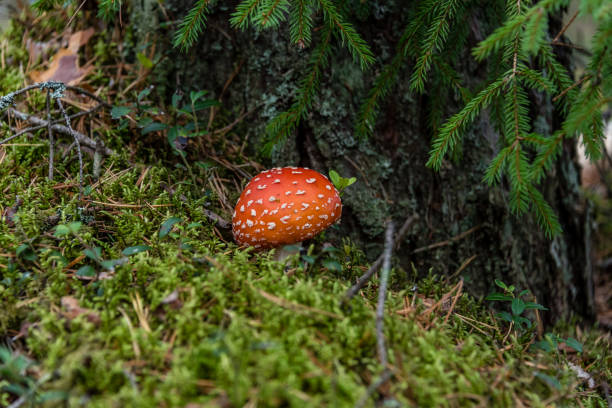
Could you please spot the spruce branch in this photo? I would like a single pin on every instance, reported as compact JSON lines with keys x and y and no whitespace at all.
{"x":300,"y":22}
{"x":496,"y":167}
{"x":244,"y":13}
{"x":544,"y":213}
{"x":551,"y":148}
{"x":434,"y":41}
{"x":358,"y":48}
{"x":285,"y":123}
{"x":192,"y":25}
{"x":271,"y":13}
{"x":450,"y":132}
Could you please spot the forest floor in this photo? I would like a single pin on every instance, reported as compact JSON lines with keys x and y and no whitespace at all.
{"x":134,"y":295}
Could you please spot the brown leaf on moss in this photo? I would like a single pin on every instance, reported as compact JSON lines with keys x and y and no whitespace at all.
{"x":65,"y":64}
{"x":74,"y":310}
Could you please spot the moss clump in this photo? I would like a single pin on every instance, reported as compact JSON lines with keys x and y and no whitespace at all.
{"x":194,"y":319}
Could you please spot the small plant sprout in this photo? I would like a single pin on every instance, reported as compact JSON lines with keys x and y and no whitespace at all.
{"x":517,"y":305}
{"x":340,"y":182}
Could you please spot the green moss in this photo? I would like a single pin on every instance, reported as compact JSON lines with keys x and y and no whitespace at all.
{"x":212,"y":324}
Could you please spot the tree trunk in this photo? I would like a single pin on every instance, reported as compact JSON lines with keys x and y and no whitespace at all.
{"x":462,"y":221}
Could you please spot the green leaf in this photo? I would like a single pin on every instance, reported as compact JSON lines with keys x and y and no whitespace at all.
{"x":75,"y":227}
{"x":61,"y":230}
{"x":144,"y":60}
{"x":94,"y":254}
{"x":332,"y":265}
{"x":573,"y":343}
{"x":153,"y":127}
{"x":86,"y":271}
{"x":119,"y":111}
{"x":26,"y":252}
{"x":110,"y":264}
{"x":308,"y":258}
{"x":335,"y":177}
{"x":167,"y":226}
{"x":551,"y":381}
{"x":505,"y":316}
{"x":145,"y":92}
{"x":195,"y":95}
{"x":135,"y":249}
{"x":518,"y":306}
{"x":532,"y":305}
{"x":499,"y":296}
{"x":205,"y":104}
{"x":176,"y":98}
{"x":501,"y":284}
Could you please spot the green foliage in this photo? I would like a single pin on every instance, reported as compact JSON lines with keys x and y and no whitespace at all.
{"x":192,"y":318}
{"x":517,"y":305}
{"x":192,"y":25}
{"x":340,"y":182}
{"x":182,"y":123}
{"x":520,"y":323}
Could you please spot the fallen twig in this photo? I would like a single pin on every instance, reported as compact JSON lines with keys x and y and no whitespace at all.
{"x":78,"y":145}
{"x":41,"y":123}
{"x":382,"y":293}
{"x":384,"y":377}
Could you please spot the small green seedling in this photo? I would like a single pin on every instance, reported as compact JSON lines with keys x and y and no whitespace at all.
{"x":340,"y":182}
{"x":517,"y":305}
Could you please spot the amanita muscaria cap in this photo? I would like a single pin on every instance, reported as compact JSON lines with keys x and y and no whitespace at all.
{"x":283,"y":206}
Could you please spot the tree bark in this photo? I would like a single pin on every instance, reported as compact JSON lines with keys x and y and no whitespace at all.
{"x":462,"y":220}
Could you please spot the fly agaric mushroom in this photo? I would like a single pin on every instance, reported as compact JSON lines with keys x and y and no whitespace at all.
{"x":283,"y":206}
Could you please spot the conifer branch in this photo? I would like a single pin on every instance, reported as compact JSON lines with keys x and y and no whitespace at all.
{"x":434,"y":40}
{"x":449,"y":133}
{"x":300,"y":22}
{"x":192,"y":25}
{"x":358,"y":48}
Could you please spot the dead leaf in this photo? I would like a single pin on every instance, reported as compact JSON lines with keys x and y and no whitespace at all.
{"x":65,"y":65}
{"x":80,"y":38}
{"x":74,"y":310}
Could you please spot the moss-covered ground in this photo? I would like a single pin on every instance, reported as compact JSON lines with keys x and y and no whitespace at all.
{"x":134,"y":297}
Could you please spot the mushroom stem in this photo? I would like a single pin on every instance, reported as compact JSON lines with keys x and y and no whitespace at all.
{"x":286,"y":251}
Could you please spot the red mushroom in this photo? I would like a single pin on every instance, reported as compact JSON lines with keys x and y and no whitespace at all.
{"x":283,"y":206}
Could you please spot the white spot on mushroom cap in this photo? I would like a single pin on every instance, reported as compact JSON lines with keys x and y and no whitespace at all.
{"x":320,"y":195}
{"x":242,"y":208}
{"x":276,"y":181}
{"x":295,"y":182}
{"x":328,"y":187}
{"x":253,"y":213}
{"x":311,"y":180}
{"x":304,"y":206}
{"x":249,"y":223}
{"x":285,"y":219}
{"x":260,"y":201}
{"x":296,"y":172}
{"x":265,"y":211}
{"x":249,"y":203}
{"x":307,"y":225}
{"x":284,"y":205}
{"x":287,"y":192}
{"x":323,"y":217}
{"x":248,"y":192}
{"x":272,"y":199}
{"x":300,"y":192}
{"x":271,"y":225}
